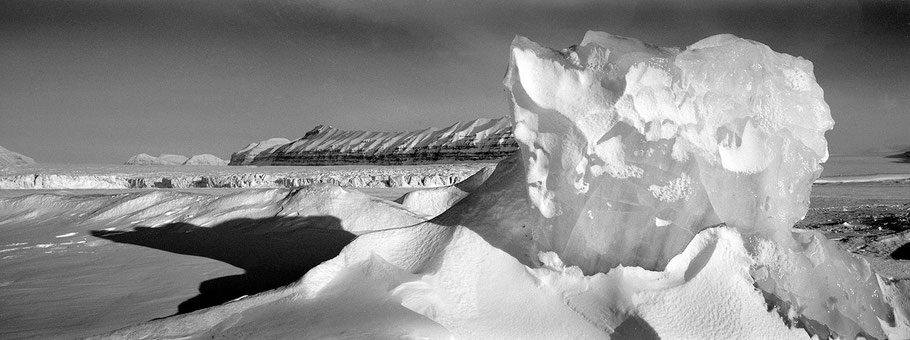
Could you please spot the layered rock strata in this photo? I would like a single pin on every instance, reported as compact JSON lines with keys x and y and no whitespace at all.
{"x":478,"y":140}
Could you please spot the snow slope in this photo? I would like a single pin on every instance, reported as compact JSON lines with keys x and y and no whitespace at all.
{"x":482,"y":139}
{"x":10,"y":158}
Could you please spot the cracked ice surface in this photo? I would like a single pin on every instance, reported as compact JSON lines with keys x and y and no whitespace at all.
{"x":632,"y":149}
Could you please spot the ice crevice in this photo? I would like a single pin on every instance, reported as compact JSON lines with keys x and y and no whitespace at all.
{"x":653,"y":196}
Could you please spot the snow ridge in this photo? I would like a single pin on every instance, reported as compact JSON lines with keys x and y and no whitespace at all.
{"x":481,"y":139}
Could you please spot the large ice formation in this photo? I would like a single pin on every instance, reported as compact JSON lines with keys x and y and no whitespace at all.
{"x":476,"y":140}
{"x":10,"y":158}
{"x":653,"y":197}
{"x":630,"y":150}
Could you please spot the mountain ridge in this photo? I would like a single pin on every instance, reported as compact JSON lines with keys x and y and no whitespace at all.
{"x":477,"y":140}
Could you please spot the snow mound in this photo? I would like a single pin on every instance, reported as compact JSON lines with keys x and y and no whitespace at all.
{"x":653,"y":197}
{"x":10,"y":158}
{"x":481,"y":139}
{"x":205,"y":159}
{"x":434,"y":201}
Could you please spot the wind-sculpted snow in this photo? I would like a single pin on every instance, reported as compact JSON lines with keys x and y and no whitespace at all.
{"x":653,"y":197}
{"x":131,"y":177}
{"x":10,"y":158}
{"x":478,"y":140}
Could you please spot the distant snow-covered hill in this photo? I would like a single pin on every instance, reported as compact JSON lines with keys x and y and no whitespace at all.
{"x":166,"y":159}
{"x":478,"y":140}
{"x":10,"y":158}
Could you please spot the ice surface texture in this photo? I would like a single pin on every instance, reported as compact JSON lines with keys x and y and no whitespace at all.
{"x":632,"y":149}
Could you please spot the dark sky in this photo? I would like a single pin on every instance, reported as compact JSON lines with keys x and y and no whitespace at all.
{"x":99,"y":81}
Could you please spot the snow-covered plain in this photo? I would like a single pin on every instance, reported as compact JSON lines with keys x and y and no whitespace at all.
{"x":654,"y":196}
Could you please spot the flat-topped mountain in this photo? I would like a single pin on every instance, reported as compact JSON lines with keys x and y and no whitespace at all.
{"x":478,"y":140}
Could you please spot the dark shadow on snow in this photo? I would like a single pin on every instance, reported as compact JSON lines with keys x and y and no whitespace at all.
{"x":274,"y":252}
{"x":901,"y":253}
{"x":634,"y":328}
{"x":903,"y":157}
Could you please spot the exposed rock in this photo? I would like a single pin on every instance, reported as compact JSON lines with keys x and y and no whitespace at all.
{"x":482,"y":139}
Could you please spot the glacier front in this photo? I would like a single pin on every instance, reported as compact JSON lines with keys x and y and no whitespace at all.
{"x":653,"y":197}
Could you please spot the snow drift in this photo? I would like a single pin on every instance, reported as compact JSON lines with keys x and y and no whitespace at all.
{"x":10,"y":158}
{"x":478,"y":140}
{"x":653,"y":197}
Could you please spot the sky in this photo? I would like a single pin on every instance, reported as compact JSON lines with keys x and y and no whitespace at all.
{"x":99,"y":81}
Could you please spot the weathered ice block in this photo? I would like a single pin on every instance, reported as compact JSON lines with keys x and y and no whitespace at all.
{"x":631,"y":149}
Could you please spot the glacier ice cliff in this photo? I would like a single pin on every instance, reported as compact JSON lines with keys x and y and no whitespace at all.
{"x":167,"y":176}
{"x":478,"y":140}
{"x":653,"y":196}
{"x":10,"y":158}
